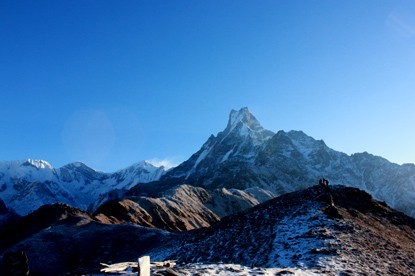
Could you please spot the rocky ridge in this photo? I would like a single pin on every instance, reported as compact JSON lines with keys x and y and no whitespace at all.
{"x":326,"y":231}
{"x":182,"y":208}
{"x":317,"y":231}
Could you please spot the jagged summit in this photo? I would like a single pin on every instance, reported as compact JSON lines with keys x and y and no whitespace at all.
{"x":243,"y":116}
{"x":239,"y":142}
{"x":147,"y":164}
{"x":243,"y":123}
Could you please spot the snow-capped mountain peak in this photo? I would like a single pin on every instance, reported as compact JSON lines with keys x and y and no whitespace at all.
{"x":28,"y":184}
{"x":246,"y":155}
{"x":243,"y":123}
{"x":242,"y":116}
{"x":39,"y":164}
{"x":77,"y":165}
{"x":28,"y":170}
{"x":240,"y":139}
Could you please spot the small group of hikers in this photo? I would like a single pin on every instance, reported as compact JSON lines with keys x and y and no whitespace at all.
{"x":323,"y":182}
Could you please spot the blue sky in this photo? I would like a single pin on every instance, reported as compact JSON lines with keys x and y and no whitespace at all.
{"x":111,"y":83}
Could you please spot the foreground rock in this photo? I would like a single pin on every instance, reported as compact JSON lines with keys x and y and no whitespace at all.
{"x":60,"y":239}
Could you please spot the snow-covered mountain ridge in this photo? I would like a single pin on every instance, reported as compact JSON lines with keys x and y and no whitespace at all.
{"x":242,"y":156}
{"x":246,"y":155}
{"x":28,"y":184}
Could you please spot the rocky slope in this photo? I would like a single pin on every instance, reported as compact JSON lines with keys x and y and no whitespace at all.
{"x":6,"y":215}
{"x":58,"y":239}
{"x":341,"y":231}
{"x":337,"y":231}
{"x":182,"y":208}
{"x":245,"y":155}
{"x":27,"y":185}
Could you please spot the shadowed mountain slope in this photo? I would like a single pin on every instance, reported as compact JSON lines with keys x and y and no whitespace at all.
{"x":329,"y":231}
{"x":318,"y":230}
{"x":59,"y":239}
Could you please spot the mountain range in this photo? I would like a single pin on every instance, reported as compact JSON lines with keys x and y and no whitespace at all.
{"x":244,"y":157}
{"x":248,"y":196}
{"x":27,"y":185}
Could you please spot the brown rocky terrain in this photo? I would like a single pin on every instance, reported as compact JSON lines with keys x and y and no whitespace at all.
{"x":329,"y":231}
{"x":182,"y":208}
{"x":336,"y":231}
{"x":59,"y":239}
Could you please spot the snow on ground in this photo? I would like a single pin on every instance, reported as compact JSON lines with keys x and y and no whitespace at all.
{"x":292,"y":244}
{"x":201,"y":269}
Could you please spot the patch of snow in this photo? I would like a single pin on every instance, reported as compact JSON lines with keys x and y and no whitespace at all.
{"x":292,"y":244}
{"x":203,"y":269}
{"x":201,"y":157}
{"x":226,"y":156}
{"x":304,"y":148}
{"x":41,"y":164}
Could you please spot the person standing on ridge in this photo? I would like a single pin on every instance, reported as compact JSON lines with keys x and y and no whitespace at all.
{"x":323,"y":183}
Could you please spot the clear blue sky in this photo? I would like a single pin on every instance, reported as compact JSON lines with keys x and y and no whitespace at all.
{"x":111,"y":83}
